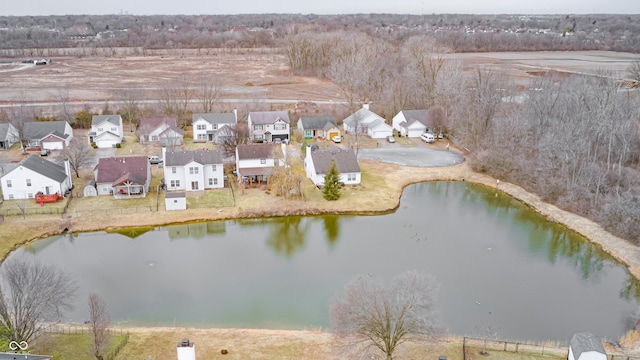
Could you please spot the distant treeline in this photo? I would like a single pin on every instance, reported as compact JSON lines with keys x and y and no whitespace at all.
{"x":457,"y":32}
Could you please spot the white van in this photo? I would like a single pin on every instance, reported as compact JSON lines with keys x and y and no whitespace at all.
{"x":427,"y":137}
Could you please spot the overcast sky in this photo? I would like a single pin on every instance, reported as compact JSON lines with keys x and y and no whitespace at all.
{"x":169,"y":7}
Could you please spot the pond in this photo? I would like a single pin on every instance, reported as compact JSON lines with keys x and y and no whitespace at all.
{"x":499,"y":264}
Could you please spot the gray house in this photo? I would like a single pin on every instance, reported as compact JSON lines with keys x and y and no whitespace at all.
{"x":324,"y":127}
{"x":8,"y":135}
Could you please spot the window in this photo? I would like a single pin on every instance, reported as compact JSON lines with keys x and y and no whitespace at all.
{"x":113,"y":129}
{"x":194,"y":185}
{"x":215,"y":126}
{"x":175,"y":183}
{"x":201,"y":127}
{"x":263,"y":161}
{"x":8,"y":183}
{"x":175,"y":201}
{"x":100,"y":129}
{"x":30,"y":195}
{"x":173,"y":170}
{"x":351,"y":177}
{"x":213,"y":167}
{"x":202,"y":137}
{"x":257,"y":127}
{"x":10,"y":196}
{"x":210,"y":181}
{"x":154,"y":138}
{"x":258,"y":137}
{"x":28,"y":182}
{"x":193,"y":170}
{"x":279,"y":126}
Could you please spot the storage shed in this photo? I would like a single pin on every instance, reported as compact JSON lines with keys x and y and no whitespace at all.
{"x":175,"y":200}
{"x":586,"y":346}
{"x":90,"y":189}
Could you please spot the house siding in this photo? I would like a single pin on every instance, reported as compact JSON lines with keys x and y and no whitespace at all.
{"x":39,"y":182}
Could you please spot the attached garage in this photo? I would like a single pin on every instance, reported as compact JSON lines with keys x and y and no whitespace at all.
{"x":106,"y":140}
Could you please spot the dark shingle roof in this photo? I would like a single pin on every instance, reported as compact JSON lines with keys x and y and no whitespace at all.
{"x":258,"y":151}
{"x":268,"y":117}
{"x":44,"y":167}
{"x":317,"y":122}
{"x":203,"y":157}
{"x":216,"y":118}
{"x":40,"y":129}
{"x":98,"y":119}
{"x":585,"y":341}
{"x":154,"y":123}
{"x":420,"y":115}
{"x":346,"y":160}
{"x":113,"y":168}
{"x":4,"y":130}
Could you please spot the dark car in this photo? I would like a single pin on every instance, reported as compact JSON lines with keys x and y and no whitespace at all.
{"x":45,"y":152}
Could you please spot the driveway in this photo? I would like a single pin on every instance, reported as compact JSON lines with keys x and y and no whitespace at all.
{"x":418,"y":156}
{"x":100,"y":153}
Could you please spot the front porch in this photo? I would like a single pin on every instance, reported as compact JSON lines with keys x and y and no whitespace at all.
{"x":129,"y":191}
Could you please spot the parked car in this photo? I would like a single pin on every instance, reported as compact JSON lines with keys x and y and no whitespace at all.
{"x":155,"y":159}
{"x":391,"y":139}
{"x":427,"y":137}
{"x":45,"y":152}
{"x":337,"y":139}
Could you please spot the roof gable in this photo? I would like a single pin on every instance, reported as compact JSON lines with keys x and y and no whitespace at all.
{"x":346,"y":161}
{"x":154,"y":123}
{"x":318,"y":122}
{"x":40,"y":129}
{"x":4,"y":130}
{"x":258,"y":151}
{"x":268,"y":117}
{"x":112,"y":119}
{"x":363,"y":116}
{"x":585,"y":342}
{"x":203,"y":157}
{"x":114,"y":168}
{"x":215,"y":118}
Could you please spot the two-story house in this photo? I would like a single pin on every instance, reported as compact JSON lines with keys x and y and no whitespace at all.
{"x":255,"y":162}
{"x":214,"y":127}
{"x":193,"y":170}
{"x":106,"y":131}
{"x":36,"y":174}
{"x":269,"y":126}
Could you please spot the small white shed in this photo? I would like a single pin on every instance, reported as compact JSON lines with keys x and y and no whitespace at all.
{"x":175,"y":200}
{"x":586,"y":346}
{"x":90,"y":189}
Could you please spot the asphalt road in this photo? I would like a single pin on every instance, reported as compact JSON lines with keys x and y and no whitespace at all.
{"x":412,"y":156}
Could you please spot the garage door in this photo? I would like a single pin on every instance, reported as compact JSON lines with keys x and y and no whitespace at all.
{"x":105,"y":143}
{"x":332,"y":134}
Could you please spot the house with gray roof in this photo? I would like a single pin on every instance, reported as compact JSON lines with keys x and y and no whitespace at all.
{"x":8,"y":135}
{"x":213,"y":127}
{"x":586,"y":346}
{"x":106,"y":131}
{"x":317,"y":163}
{"x":163,"y":131}
{"x":366,"y":122}
{"x":269,"y":126}
{"x":123,"y":177}
{"x":255,"y":162}
{"x":411,"y":123}
{"x":193,"y":170}
{"x":36,"y":174}
{"x":323,"y":127}
{"x":52,"y":135}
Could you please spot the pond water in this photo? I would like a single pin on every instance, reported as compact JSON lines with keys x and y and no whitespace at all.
{"x":499,"y":264}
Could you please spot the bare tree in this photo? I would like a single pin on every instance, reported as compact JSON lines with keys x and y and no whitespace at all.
{"x":425,"y":65}
{"x":238,"y":134}
{"x":383,"y":315}
{"x":209,"y":91}
{"x":130,"y":110}
{"x":99,"y":321}
{"x":634,"y":70}
{"x":31,"y":294}
{"x":287,"y":180}
{"x":18,"y":118}
{"x":78,"y":153}
{"x":22,"y":205}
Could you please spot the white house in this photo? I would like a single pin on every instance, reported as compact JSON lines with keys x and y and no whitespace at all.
{"x":317,"y":163}
{"x":106,"y":131}
{"x":123,"y":177}
{"x":255,"y":162}
{"x":366,"y":122}
{"x":35,"y":174}
{"x":163,"y":131}
{"x":269,"y":126}
{"x":411,"y":123}
{"x":323,"y":127}
{"x":52,"y":135}
{"x":193,"y":170}
{"x":8,"y":135}
{"x":175,"y":200}
{"x":214,"y":127}
{"x":586,"y":346}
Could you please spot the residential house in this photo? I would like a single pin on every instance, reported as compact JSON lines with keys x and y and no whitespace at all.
{"x":214,"y":127}
{"x":269,"y":126}
{"x":255,"y":162}
{"x":106,"y":131}
{"x":317,"y":163}
{"x":193,"y":170}
{"x":586,"y":346}
{"x":52,"y":135}
{"x":36,"y":174}
{"x":8,"y":135}
{"x":366,"y":122}
{"x":163,"y":131}
{"x":411,"y":123}
{"x":323,"y":127}
{"x":123,"y":177}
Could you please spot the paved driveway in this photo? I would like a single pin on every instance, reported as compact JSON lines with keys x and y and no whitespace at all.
{"x":418,"y":156}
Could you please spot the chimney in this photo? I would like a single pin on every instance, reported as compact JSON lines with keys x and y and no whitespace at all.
{"x":186,"y":350}
{"x":308,"y":151}
{"x":365,"y":105}
{"x":67,"y":170}
{"x":235,"y":112}
{"x":164,"y":151}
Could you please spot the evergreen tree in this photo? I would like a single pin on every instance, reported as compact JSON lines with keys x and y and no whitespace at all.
{"x":331,"y":189}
